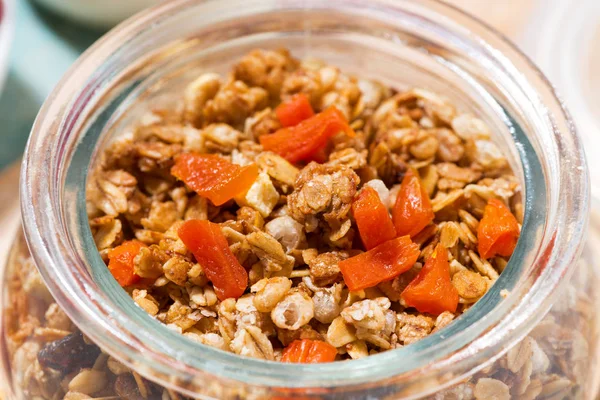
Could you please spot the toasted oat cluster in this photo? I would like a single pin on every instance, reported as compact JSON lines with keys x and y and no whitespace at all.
{"x":51,"y":359}
{"x":292,"y":212}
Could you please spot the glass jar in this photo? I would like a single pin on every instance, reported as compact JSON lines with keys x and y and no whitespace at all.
{"x":533,"y":335}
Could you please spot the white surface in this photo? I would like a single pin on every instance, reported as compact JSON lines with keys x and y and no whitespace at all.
{"x":101,"y":13}
{"x":564,"y":40}
{"x":6,"y":35}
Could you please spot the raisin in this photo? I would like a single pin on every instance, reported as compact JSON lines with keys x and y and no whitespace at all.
{"x":68,"y":354}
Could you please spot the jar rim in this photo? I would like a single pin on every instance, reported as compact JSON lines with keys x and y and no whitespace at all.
{"x":42,"y":196}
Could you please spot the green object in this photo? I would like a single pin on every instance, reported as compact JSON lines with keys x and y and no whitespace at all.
{"x":43,"y":48}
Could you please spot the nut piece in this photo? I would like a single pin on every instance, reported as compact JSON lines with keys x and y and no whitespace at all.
{"x":451,"y":148}
{"x":88,"y":381}
{"x":248,"y":315}
{"x":303,"y":81}
{"x":178,"y":316}
{"x":452,"y":172}
{"x":278,"y":168}
{"x":269,"y":292}
{"x":357,"y":349}
{"x":339,"y":333}
{"x":487,"y":154}
{"x":116,"y":367}
{"x":197,"y":208}
{"x":250,"y":341}
{"x":270,"y":252}
{"x":263,"y":122}
{"x":262,"y":195}
{"x":349,"y":157}
{"x":424,"y":147}
{"x":294,"y":311}
{"x":197,"y":276}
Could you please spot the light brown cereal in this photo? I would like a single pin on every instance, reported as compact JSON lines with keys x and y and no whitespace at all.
{"x":470,"y":285}
{"x":411,"y":328}
{"x":295,"y":310}
{"x":250,"y":341}
{"x":269,"y":292}
{"x":293,"y":225}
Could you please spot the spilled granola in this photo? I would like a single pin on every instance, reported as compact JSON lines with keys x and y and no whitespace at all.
{"x":297,"y":145}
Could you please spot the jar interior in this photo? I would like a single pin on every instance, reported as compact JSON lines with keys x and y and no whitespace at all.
{"x":392,"y":46}
{"x":401,"y":64}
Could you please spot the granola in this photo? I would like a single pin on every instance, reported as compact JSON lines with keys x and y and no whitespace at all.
{"x":293,"y":226}
{"x":552,"y":362}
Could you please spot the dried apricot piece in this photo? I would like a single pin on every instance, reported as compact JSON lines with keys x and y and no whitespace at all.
{"x":120,"y":262}
{"x":412,"y":211}
{"x":303,"y":141}
{"x":498,"y":230}
{"x":309,"y":351}
{"x":432,"y":291}
{"x":379,"y":264}
{"x":211,"y":250}
{"x":294,"y":110}
{"x":214,"y":177}
{"x":372,"y":218}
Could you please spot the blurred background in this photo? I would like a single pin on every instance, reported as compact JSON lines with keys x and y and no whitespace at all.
{"x":40,"y":39}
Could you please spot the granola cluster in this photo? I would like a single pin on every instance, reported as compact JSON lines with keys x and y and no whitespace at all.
{"x":51,"y":359}
{"x":294,"y":225}
{"x":291,"y":231}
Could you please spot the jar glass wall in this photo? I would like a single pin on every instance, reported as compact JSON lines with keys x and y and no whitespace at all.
{"x":557,"y":359}
{"x":402,"y":43}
